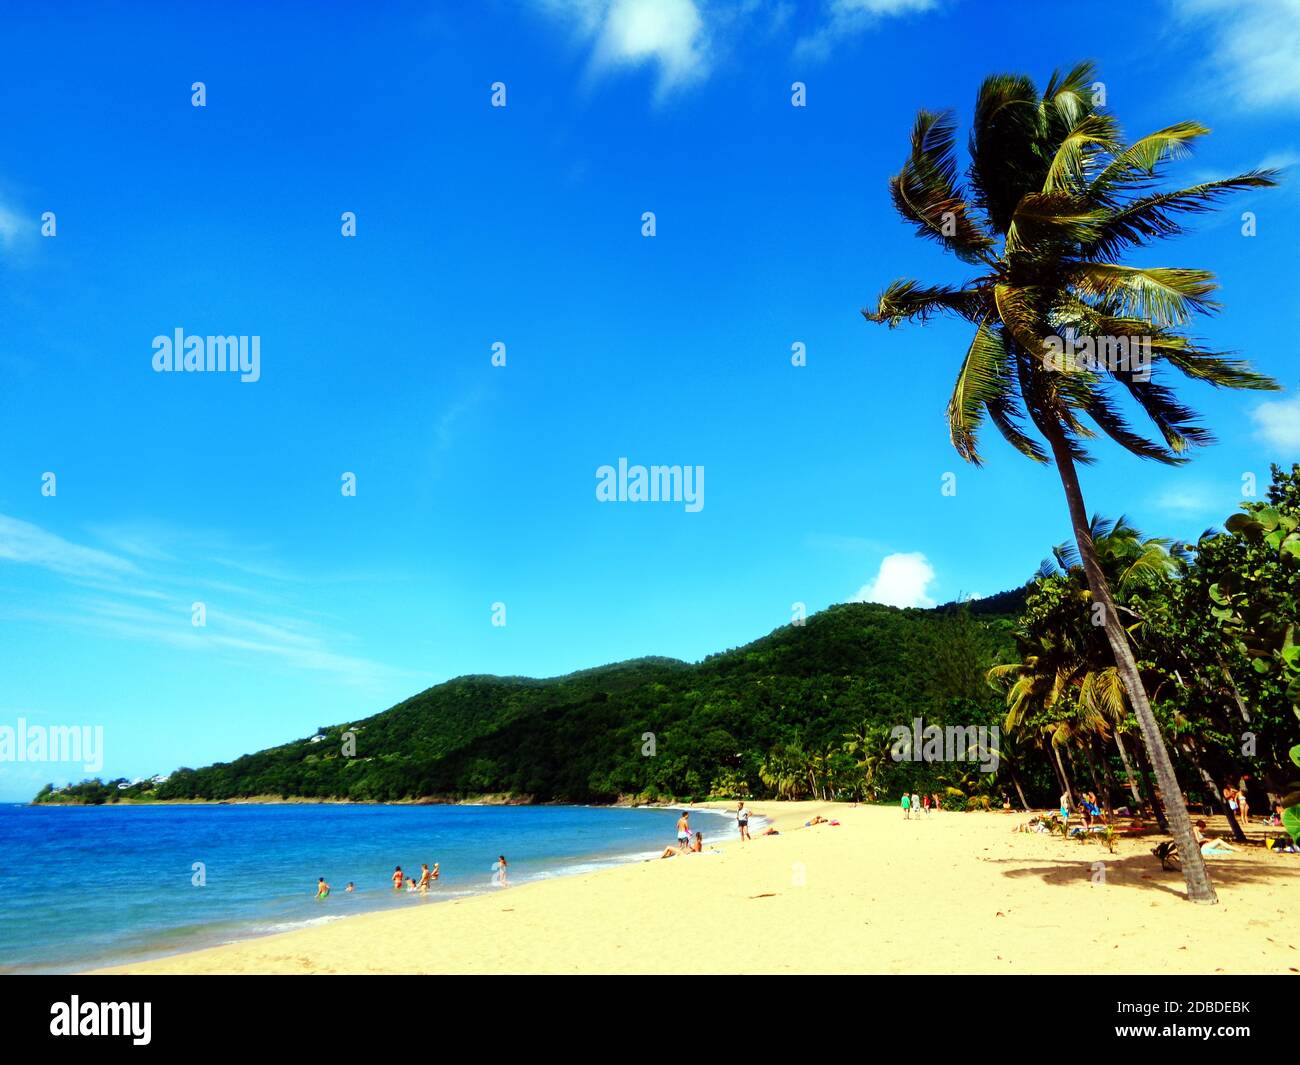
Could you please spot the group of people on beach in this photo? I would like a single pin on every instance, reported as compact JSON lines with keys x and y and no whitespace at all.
{"x":912,"y":803}
{"x":686,"y":844}
{"x":428,"y":876}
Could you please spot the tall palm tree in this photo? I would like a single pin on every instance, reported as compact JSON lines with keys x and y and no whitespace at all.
{"x":1055,"y":200}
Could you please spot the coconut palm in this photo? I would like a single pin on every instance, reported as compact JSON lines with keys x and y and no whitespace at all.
{"x":1055,"y":199}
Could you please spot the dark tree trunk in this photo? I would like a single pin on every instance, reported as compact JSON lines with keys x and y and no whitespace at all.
{"x":1213,"y":789}
{"x":1128,"y":771}
{"x":1197,"y":877}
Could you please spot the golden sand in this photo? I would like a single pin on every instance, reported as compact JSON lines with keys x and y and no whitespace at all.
{"x":954,"y":893}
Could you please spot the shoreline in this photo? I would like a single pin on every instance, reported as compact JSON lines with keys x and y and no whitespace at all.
{"x":382,"y":902}
{"x":954,"y":893}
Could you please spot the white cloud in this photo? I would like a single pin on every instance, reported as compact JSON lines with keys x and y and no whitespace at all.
{"x":846,"y":18}
{"x":1252,"y":46}
{"x":11,"y":226}
{"x":1278,"y":422}
{"x":1192,"y":499}
{"x":168,"y":582}
{"x":903,"y":580}
{"x":21,"y":541}
{"x":668,"y":34}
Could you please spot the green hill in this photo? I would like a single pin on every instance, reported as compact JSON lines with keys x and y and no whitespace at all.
{"x":648,"y":728}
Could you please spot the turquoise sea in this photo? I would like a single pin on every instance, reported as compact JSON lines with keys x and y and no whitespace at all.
{"x":87,"y":886}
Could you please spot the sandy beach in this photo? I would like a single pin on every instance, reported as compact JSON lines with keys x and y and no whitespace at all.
{"x":957,"y":893}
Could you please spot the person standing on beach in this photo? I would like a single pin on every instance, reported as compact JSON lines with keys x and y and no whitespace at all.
{"x":397,"y":879}
{"x":925,"y":805}
{"x":683,"y":831}
{"x":906,"y":804}
{"x":742,"y":820}
{"x":499,"y":871}
{"x":916,"y":802}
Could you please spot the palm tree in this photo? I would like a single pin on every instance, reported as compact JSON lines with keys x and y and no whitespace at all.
{"x":1055,"y":199}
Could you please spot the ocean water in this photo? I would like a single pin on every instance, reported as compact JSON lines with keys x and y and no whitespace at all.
{"x":87,"y":886}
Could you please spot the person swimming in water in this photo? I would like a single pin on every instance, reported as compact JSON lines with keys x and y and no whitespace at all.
{"x":322,"y":888}
{"x":398,"y":878}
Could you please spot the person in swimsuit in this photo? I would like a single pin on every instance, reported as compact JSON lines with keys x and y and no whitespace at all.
{"x":683,"y":831}
{"x":398,"y":878}
{"x":425,"y":877}
{"x":499,"y":872}
{"x":322,"y":888}
{"x":742,"y":819}
{"x":1208,"y":844}
{"x":351,"y":886}
{"x":434,"y":875}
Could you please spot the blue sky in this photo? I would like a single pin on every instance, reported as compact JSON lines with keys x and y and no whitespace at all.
{"x":522,"y":225}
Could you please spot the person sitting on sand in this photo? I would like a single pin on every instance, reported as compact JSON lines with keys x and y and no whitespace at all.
{"x":1208,"y":844}
{"x":322,"y":888}
{"x":398,"y":879}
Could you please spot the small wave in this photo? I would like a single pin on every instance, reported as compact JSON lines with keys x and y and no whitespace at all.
{"x":291,"y":926}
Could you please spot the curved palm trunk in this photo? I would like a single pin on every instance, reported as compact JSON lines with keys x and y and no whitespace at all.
{"x":1197,"y":877}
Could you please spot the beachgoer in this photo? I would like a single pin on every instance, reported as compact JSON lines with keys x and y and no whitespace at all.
{"x":1065,"y":806}
{"x":322,"y":888}
{"x":410,"y":883}
{"x":907,"y":806}
{"x":1208,"y":844}
{"x":683,"y":831}
{"x":499,"y":872}
{"x":742,"y":819}
{"x":934,"y":801}
{"x":925,"y":805}
{"x":398,"y":878}
{"x":916,"y":801}
{"x":351,"y":886}
{"x":435,"y":874}
{"x":1006,"y":802}
{"x":425,"y":876}
{"x":698,"y":845}
{"x":1243,"y":803}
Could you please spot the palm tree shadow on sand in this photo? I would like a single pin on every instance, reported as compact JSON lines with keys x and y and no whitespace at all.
{"x":1143,"y":870}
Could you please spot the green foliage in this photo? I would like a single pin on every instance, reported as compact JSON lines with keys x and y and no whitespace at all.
{"x":775,"y":717}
